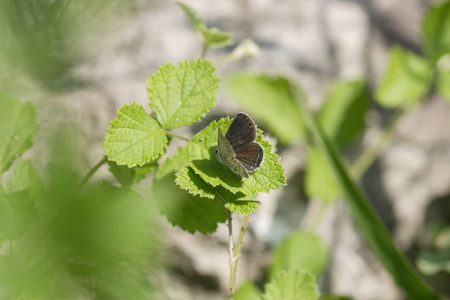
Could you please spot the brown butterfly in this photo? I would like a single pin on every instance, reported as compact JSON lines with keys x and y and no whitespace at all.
{"x":238,"y":149}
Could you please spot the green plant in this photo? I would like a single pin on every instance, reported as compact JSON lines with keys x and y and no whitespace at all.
{"x":47,"y":220}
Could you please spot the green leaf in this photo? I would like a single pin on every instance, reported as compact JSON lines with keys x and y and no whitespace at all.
{"x":17,"y":212}
{"x":343,"y":114}
{"x":182,"y":95}
{"x":195,"y":185}
{"x":130,"y":176}
{"x":436,"y":30}
{"x":443,"y":80}
{"x":443,"y":84}
{"x":248,"y":291}
{"x":320,"y":181}
{"x":333,"y":297}
{"x":17,"y":129}
{"x":406,"y":80}
{"x":194,"y":16}
{"x":269,"y":99}
{"x":134,"y":137}
{"x":242,"y":207}
{"x":302,"y":251}
{"x":292,"y":285}
{"x":204,"y":162}
{"x":215,"y":38}
{"x":25,"y":177}
{"x":367,"y":220}
{"x":432,"y":262}
{"x":190,"y":213}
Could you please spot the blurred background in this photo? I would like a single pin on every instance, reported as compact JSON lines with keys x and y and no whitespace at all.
{"x":79,"y":61}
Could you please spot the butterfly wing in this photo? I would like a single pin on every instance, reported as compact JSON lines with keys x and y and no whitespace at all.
{"x":250,"y":155}
{"x":228,"y":156}
{"x":224,"y":146}
{"x":241,"y":131}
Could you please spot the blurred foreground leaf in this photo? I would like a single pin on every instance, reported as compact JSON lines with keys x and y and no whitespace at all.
{"x":17,"y":129}
{"x":101,"y":242}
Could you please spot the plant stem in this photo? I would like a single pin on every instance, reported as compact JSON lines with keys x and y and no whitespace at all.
{"x":366,"y":159}
{"x":234,"y":254}
{"x":237,"y":253}
{"x":204,"y":50}
{"x":168,"y":132}
{"x":92,"y":171}
{"x":233,"y":261}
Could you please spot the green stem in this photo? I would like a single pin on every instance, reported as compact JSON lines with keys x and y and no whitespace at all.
{"x":233,"y":260}
{"x":366,"y":159}
{"x":237,"y":253}
{"x":204,"y":50}
{"x":234,"y":253}
{"x":225,"y":59}
{"x":168,"y":132}
{"x":92,"y":171}
{"x":324,"y":206}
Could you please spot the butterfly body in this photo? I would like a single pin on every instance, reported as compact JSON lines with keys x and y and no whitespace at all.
{"x":237,"y":149}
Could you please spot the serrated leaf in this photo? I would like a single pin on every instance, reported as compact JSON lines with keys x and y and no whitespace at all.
{"x":204,"y":162}
{"x":320,"y":181}
{"x":190,"y":213}
{"x":25,"y":177}
{"x":130,"y":176}
{"x":187,"y":179}
{"x":406,"y":80}
{"x":194,"y":184}
{"x":343,"y":113}
{"x":248,"y":291}
{"x":215,"y":38}
{"x":302,"y":251}
{"x":436,"y":30}
{"x":242,"y":207}
{"x":269,"y":99}
{"x":292,"y":285}
{"x":182,"y":95}
{"x":193,"y":15}
{"x":17,"y":129}
{"x":134,"y":137}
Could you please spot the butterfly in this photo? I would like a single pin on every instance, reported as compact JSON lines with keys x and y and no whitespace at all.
{"x":237,"y":149}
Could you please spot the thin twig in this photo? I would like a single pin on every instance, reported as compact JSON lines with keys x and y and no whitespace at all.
{"x":366,"y":159}
{"x":204,"y":50}
{"x":168,"y":132}
{"x":92,"y":171}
